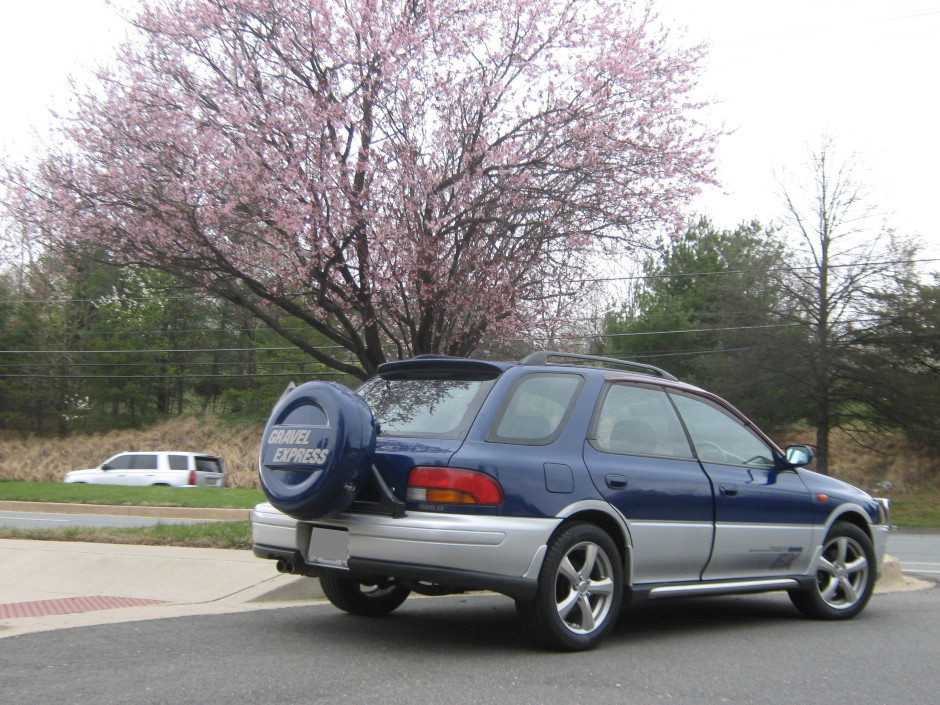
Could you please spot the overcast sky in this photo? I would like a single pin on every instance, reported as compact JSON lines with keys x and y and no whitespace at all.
{"x":781,"y":74}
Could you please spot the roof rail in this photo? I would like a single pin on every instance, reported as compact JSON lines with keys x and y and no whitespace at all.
{"x":543,"y":358}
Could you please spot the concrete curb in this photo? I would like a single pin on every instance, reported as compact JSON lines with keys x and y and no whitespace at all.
{"x":208,"y":513}
{"x":894,"y":580}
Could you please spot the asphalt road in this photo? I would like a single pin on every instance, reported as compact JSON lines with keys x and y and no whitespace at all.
{"x":918,"y":551}
{"x":470,"y":649}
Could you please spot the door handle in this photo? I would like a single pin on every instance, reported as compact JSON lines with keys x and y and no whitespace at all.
{"x":728,"y":490}
{"x":616,"y":482}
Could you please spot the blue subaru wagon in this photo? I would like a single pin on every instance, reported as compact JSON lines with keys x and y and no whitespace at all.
{"x":570,"y":483}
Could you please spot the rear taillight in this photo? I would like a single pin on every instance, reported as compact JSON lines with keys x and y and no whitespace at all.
{"x":192,"y":477}
{"x":453,"y":486}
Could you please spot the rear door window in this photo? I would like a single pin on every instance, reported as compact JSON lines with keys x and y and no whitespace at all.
{"x":638,"y":419}
{"x":144,"y":462}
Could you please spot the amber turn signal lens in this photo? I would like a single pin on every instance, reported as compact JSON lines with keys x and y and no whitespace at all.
{"x":449,"y":497}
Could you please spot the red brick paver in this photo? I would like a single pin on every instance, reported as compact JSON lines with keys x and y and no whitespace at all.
{"x":70,"y":605}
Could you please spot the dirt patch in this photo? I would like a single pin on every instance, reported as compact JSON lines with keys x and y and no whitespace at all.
{"x":882,"y":463}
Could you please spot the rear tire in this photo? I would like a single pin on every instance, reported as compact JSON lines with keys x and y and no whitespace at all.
{"x":366,"y":599}
{"x":845,"y":576}
{"x":579,"y":593}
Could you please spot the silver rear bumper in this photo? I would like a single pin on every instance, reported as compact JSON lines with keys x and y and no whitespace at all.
{"x":492,"y":552}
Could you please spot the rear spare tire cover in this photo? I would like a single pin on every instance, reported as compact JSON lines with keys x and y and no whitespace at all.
{"x":317,"y":450}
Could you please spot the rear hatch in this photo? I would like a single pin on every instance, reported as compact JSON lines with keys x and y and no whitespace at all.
{"x":423,"y":410}
{"x":210,"y":471}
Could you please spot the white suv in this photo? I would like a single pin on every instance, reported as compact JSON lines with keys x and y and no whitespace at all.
{"x":176,"y":469}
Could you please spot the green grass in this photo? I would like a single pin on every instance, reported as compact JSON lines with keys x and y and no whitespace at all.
{"x":920,"y":508}
{"x":225,"y":534}
{"x":917,"y":509}
{"x":237,"y":498}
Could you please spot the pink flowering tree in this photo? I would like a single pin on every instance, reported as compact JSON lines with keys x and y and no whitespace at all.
{"x":404,"y":176}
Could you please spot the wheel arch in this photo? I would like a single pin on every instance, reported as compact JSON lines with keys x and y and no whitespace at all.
{"x":851,"y":515}
{"x":600,"y":514}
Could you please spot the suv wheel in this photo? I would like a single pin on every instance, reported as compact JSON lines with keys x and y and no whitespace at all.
{"x":845,"y":576}
{"x":364,"y":598}
{"x":579,"y":592}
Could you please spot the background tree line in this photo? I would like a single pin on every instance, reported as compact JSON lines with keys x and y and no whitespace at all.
{"x":824,"y":320}
{"x":86,"y":345}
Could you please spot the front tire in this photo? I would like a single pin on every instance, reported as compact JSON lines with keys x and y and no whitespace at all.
{"x":367,"y":599}
{"x":845,"y":576}
{"x":579,"y":593}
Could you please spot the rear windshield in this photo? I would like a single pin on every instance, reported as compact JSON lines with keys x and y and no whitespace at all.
{"x":425,"y":408}
{"x":208,"y":464}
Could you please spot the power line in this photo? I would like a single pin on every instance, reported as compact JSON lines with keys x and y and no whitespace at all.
{"x":196,"y":376}
{"x":235,"y":333}
{"x":675,"y":353}
{"x":598,"y":280}
{"x":808,"y":268}
{"x":338,"y":347}
{"x":695,"y":330}
{"x":163,"y":351}
{"x":242,"y":363}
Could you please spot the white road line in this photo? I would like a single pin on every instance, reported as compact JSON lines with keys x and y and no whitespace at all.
{"x":921,"y":568}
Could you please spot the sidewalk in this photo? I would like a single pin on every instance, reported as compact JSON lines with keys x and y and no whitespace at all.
{"x":54,"y":585}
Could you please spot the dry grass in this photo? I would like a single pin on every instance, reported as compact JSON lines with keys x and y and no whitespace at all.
{"x":880,"y":459}
{"x":885,"y":464}
{"x":33,"y":458}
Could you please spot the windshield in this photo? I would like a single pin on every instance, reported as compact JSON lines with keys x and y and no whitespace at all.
{"x":425,"y":408}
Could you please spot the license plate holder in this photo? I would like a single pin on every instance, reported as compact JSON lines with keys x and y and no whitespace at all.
{"x":328,"y":546}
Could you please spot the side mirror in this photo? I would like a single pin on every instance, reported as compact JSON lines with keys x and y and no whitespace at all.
{"x":105,"y":466}
{"x":798,"y":456}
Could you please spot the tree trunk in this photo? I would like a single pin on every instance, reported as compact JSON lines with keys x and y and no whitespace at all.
{"x":822,"y":436}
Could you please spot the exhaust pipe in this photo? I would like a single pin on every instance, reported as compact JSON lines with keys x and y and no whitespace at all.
{"x":296,"y":566}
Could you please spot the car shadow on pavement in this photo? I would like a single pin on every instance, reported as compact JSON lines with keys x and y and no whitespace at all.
{"x":486,"y":622}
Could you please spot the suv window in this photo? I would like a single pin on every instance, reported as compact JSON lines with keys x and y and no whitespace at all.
{"x":425,"y":408}
{"x":143,"y":462}
{"x":120,"y":462}
{"x":178,"y":462}
{"x":208,"y":465}
{"x":535,"y":408}
{"x":719,"y":436}
{"x":639,"y":419}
